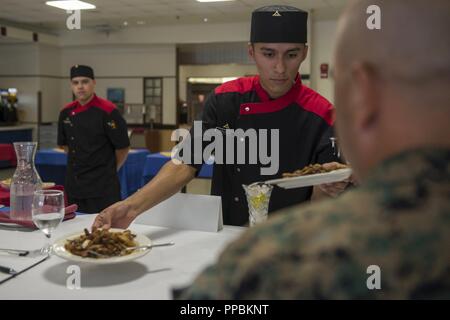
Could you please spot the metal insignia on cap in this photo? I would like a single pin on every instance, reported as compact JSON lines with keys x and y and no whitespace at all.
{"x":276,"y":14}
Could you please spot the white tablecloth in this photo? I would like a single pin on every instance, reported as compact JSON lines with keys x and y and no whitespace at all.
{"x":150,"y":277}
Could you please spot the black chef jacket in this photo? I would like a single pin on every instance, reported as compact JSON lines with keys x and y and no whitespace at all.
{"x":92,"y":133}
{"x":304,"y":119}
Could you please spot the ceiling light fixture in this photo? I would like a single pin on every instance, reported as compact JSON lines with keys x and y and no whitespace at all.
{"x":213,"y":0}
{"x":70,"y":5}
{"x":210,"y":80}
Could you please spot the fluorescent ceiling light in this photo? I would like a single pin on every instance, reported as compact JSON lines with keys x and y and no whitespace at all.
{"x":213,"y":0}
{"x":211,"y":80}
{"x":70,"y":5}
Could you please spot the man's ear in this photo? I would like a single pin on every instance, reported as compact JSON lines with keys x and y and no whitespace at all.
{"x":365,"y":95}
{"x":251,"y":50}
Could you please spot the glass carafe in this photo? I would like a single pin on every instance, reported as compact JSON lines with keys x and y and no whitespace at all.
{"x":25,"y":181}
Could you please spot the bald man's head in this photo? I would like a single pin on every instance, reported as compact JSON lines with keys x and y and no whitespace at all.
{"x":392,"y":84}
{"x":412,"y":45}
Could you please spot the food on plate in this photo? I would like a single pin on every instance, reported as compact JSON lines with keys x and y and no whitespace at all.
{"x":315,"y":169}
{"x":102,"y":244}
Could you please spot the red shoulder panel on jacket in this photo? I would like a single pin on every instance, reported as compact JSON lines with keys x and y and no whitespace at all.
{"x":70,"y":105}
{"x":311,"y":101}
{"x":103,"y":104}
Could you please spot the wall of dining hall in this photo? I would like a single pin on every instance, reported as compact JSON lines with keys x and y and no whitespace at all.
{"x":119,"y":66}
{"x":33,"y":67}
{"x":122,"y":59}
{"x":321,"y":52}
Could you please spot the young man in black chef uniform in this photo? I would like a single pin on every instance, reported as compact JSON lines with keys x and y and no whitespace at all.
{"x":94,"y":134}
{"x":276,"y":99}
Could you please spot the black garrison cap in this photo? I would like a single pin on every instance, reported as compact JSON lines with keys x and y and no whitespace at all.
{"x":273,"y":24}
{"x":81,"y":71}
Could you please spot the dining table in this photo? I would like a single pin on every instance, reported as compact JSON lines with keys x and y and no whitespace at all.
{"x":157,"y":275}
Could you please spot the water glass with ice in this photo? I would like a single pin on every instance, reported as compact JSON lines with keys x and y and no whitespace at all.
{"x":258,"y":198}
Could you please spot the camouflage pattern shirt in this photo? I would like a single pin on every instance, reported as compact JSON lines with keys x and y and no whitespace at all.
{"x":397,"y":221}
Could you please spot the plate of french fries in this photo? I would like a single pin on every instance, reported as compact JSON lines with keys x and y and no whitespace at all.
{"x":313,"y":174}
{"x":102,"y":246}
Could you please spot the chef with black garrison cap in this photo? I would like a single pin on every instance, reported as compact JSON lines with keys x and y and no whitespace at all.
{"x":94,"y":134}
{"x":274,"y":100}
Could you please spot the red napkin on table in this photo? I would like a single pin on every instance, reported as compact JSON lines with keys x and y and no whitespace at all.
{"x":4,"y":217}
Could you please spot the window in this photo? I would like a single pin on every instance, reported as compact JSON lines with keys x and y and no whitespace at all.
{"x":153,"y":99}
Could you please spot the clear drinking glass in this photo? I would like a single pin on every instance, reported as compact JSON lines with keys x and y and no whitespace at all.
{"x":258,"y":198}
{"x":47,"y":213}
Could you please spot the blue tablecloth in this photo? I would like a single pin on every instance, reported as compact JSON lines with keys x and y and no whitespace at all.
{"x":155,"y":161}
{"x":14,"y":135}
{"x":51,"y":165}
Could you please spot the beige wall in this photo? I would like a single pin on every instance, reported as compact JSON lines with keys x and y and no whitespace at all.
{"x":323,"y":33}
{"x":169,"y":100}
{"x":49,"y":58}
{"x":39,"y":67}
{"x":168,"y":34}
{"x":19,"y":68}
{"x":125,"y":66}
{"x":19,"y":59}
{"x":51,"y":98}
{"x":124,"y":58}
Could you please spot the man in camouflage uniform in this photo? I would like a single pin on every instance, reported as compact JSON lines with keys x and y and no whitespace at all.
{"x":392,"y":103}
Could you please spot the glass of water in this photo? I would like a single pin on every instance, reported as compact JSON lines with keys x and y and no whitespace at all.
{"x":258,"y":198}
{"x":47,"y":212}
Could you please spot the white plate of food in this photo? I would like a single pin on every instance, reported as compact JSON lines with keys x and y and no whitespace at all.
{"x":307,"y":177}
{"x":89,"y":247}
